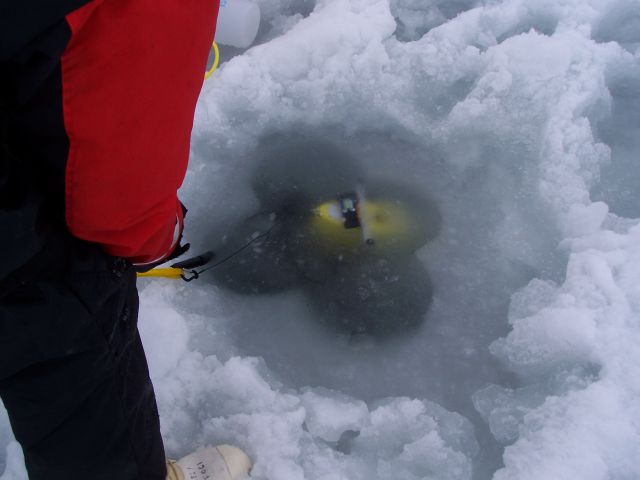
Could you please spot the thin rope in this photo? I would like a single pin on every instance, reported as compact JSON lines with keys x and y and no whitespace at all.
{"x":196,"y":274}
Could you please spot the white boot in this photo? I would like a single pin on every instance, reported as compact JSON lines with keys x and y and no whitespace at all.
{"x":210,"y":463}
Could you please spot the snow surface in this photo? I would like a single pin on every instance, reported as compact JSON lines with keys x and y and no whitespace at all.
{"x":522,"y":119}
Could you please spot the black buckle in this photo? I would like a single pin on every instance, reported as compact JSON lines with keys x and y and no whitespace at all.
{"x":195,"y":262}
{"x":349,"y":209}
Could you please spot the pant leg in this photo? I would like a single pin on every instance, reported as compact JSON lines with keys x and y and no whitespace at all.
{"x":73,"y":375}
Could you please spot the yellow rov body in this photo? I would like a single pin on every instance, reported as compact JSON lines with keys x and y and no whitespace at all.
{"x":387,"y":227}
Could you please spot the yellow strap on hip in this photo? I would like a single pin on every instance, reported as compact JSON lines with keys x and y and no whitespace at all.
{"x":173,"y":273}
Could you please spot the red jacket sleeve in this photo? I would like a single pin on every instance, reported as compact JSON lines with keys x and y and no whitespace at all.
{"x":131,"y":75}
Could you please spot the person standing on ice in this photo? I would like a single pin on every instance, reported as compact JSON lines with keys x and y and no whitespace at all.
{"x":97,"y":101}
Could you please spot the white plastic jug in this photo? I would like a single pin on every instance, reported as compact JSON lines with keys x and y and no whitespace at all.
{"x":238,"y":22}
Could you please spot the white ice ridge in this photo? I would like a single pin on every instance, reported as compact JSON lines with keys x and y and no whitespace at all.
{"x":520,"y":116}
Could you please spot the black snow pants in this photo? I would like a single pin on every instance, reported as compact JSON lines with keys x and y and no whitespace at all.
{"x":73,"y":374}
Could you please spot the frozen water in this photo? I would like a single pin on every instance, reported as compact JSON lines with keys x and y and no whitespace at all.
{"x":520,"y":118}
{"x":330,"y":416}
{"x":416,"y":17}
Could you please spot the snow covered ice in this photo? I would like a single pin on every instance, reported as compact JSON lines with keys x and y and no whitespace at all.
{"x":522,"y":119}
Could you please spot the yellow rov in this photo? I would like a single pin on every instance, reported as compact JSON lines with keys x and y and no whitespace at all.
{"x":353,"y":224}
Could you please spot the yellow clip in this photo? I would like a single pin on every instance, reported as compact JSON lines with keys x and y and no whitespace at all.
{"x":173,"y":273}
{"x":216,"y":60}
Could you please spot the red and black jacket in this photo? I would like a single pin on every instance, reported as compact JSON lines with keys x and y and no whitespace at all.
{"x":96,"y":103}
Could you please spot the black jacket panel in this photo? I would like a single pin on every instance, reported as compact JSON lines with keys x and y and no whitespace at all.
{"x":33,"y":147}
{"x":21,"y":21}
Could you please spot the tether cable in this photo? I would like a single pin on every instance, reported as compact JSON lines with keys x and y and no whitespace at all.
{"x":196,"y":274}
